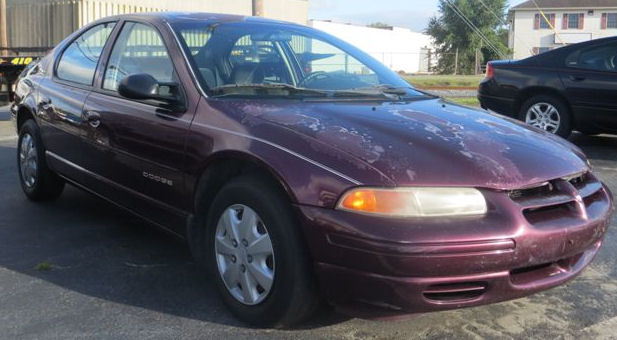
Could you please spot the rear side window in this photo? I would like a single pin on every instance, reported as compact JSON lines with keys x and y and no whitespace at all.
{"x":599,"y":58}
{"x":138,"y":49}
{"x":78,"y":61}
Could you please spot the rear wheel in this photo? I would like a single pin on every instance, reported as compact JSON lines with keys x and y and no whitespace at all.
{"x":547,"y":113}
{"x":256,"y":254}
{"x":38,"y":182}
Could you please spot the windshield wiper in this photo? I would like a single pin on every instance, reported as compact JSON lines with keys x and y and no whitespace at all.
{"x":401,"y":91}
{"x":385,"y":91}
{"x":276,"y":89}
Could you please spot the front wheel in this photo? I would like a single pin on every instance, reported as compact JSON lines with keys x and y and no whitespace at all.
{"x":257,"y":256}
{"x":38,"y":182}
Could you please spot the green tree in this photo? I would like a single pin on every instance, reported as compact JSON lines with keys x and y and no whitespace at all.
{"x":452,"y":33}
{"x":379,"y":25}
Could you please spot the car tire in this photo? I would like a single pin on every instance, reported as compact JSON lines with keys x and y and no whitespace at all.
{"x":292,"y":296}
{"x":543,"y":111}
{"x":38,"y":182}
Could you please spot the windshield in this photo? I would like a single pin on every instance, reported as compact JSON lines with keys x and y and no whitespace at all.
{"x":250,"y":58}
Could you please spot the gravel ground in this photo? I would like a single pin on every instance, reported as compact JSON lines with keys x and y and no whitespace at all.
{"x":453,"y":93}
{"x":81,"y":268}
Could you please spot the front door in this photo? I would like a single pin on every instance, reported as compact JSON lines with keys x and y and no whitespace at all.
{"x":136,"y":147}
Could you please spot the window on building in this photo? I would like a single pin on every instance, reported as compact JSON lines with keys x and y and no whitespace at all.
{"x":573,"y":21}
{"x":546,"y":21}
{"x":540,"y":50}
{"x":543,"y":49}
{"x":79,"y":60}
{"x":611,"y":20}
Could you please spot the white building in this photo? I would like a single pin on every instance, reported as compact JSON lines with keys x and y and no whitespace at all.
{"x":398,"y":48}
{"x":559,"y":22}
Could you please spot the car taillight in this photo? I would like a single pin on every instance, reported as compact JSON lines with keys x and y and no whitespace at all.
{"x":490,"y":71}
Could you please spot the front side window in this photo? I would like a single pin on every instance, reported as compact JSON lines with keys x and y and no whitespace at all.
{"x":138,"y":49}
{"x":600,"y":58}
{"x":262,"y":59}
{"x":80,"y":59}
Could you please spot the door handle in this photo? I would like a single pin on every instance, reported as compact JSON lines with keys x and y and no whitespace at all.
{"x":577,"y":78}
{"x":93,"y":118}
{"x":45,"y":104}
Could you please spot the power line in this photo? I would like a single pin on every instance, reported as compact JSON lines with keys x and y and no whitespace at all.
{"x":469,"y":23}
{"x":547,"y":21}
{"x":505,"y":23}
{"x":466,"y":20}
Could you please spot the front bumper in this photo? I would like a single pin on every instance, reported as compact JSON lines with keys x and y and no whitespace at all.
{"x":380,"y":267}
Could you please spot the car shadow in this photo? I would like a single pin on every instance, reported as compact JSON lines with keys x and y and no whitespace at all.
{"x":89,"y":246}
{"x":597,"y":147}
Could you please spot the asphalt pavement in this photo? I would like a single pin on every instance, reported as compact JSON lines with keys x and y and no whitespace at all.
{"x":80,"y":267}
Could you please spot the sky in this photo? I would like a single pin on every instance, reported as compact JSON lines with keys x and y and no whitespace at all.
{"x":413,"y":14}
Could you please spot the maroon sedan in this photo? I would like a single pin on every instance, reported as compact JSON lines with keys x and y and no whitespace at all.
{"x":300,"y":169}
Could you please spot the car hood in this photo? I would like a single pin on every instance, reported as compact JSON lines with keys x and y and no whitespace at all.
{"x":427,"y":142}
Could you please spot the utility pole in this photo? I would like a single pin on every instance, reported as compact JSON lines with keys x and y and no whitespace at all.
{"x":477,"y":70}
{"x":3,"y":40}
{"x":258,"y":8}
{"x":456,"y":62}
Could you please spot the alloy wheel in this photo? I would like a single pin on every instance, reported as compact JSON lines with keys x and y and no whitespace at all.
{"x":244,"y":254}
{"x":544,"y":116}
{"x":28,"y":161}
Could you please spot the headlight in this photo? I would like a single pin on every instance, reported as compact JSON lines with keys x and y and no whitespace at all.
{"x":414,"y":202}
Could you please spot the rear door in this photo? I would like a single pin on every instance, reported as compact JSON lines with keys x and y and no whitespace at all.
{"x":590,"y":78}
{"x":135,"y":148}
{"x":62,"y":95}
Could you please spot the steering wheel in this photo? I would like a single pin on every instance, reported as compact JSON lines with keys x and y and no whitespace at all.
{"x":314,"y":76}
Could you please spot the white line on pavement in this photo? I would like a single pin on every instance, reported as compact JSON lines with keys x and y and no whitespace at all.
{"x":604,"y":168}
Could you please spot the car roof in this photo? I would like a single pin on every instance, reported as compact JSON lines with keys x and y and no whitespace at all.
{"x":566,"y":50}
{"x":176,"y":17}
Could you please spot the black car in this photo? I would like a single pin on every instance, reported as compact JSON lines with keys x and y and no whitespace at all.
{"x":573,"y":87}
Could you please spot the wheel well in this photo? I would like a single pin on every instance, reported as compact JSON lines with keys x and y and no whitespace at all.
{"x":217,"y":172}
{"x":224,"y":168}
{"x":529,"y":92}
{"x":23,"y":114}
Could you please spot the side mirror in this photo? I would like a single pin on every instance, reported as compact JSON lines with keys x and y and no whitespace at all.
{"x":144,"y":86}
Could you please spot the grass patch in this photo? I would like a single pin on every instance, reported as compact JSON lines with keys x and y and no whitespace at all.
{"x":43,"y":266}
{"x":467,"y":101}
{"x":427,"y":81}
